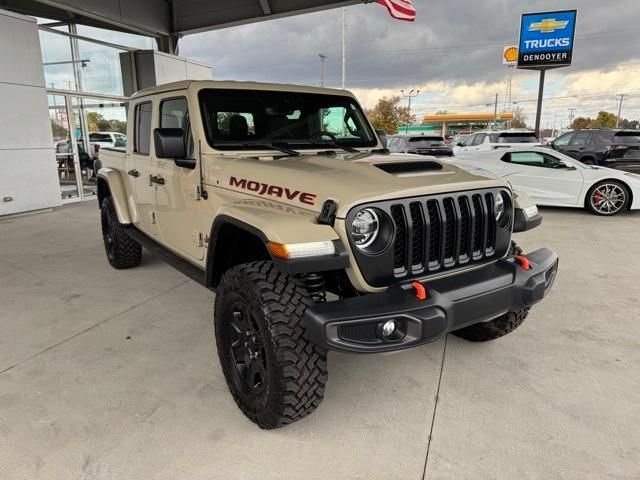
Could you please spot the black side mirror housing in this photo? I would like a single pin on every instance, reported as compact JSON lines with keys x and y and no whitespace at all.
{"x":169,"y":143}
{"x":459,"y":144}
{"x":382,"y":135}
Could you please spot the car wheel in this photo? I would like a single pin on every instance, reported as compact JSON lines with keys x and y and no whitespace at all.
{"x":587,"y":161}
{"x":607,"y":198}
{"x":498,"y":327}
{"x":275,"y":375}
{"x":122,"y":251}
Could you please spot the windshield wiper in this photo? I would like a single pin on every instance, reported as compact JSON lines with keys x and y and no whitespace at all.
{"x":266,"y":146}
{"x":336,"y":145}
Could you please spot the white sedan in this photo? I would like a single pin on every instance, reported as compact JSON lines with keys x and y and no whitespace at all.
{"x":551,"y":178}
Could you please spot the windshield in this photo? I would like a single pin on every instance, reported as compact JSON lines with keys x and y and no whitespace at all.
{"x":427,"y":142}
{"x":627,"y":137}
{"x":300,"y":120}
{"x":516,"y":137}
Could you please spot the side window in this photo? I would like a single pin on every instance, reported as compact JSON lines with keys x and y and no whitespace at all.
{"x":601,"y":138}
{"x":479,"y":139}
{"x":580,"y":138}
{"x":173,"y":113}
{"x":534,"y":159}
{"x":142,"y":130}
{"x":469,"y":141}
{"x":563,"y":139}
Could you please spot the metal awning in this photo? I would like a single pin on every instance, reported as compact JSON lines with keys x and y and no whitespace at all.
{"x":168,"y":18}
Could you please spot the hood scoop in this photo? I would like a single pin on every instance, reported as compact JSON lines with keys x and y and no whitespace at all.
{"x":396,"y":168}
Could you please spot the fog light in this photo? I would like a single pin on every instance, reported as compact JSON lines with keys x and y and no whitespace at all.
{"x":389,"y":328}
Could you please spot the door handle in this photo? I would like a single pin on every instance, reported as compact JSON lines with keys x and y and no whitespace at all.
{"x":157,"y":179}
{"x":134,"y":173}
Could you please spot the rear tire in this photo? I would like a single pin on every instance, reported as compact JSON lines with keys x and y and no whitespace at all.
{"x":498,"y":327}
{"x":122,"y":251}
{"x":276,"y":376}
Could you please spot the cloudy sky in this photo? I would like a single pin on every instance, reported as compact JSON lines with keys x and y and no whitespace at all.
{"x":452,"y":53}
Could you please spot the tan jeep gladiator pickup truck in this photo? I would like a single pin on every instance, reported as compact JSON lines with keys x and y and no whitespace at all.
{"x":284,"y":201}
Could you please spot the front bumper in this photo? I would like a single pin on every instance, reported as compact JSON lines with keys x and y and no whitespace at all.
{"x":354,"y":324}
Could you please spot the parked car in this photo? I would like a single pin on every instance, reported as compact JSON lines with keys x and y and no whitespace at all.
{"x":613,"y":148}
{"x":288,"y":198}
{"x":420,"y":144}
{"x":490,"y":140}
{"x":108,"y":139}
{"x":552,"y":178}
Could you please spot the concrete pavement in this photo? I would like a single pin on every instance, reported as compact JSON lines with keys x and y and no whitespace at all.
{"x":111,"y":374}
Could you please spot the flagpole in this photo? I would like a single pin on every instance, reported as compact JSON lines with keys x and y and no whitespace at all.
{"x":344,"y":47}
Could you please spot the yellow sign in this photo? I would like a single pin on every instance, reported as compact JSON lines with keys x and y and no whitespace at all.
{"x":510,"y":55}
{"x":548,"y":25}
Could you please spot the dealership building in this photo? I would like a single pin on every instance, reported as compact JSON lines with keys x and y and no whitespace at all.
{"x":69,"y":67}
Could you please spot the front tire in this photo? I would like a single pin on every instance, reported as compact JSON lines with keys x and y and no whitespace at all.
{"x":498,"y":327}
{"x":276,"y":376}
{"x":608,"y":198}
{"x":122,"y":251}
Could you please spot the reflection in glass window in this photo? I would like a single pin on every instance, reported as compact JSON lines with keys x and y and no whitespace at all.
{"x":119,"y":38}
{"x":57,"y":61}
{"x":142,"y":134}
{"x":101,"y":72}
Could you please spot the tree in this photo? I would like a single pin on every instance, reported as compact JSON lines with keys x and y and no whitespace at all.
{"x":388,"y":115}
{"x":633,"y":124}
{"x":519,"y":118}
{"x":58,"y":130}
{"x":581,"y":122}
{"x":605,"y":120}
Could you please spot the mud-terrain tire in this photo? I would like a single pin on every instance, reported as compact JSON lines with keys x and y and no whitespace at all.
{"x":275,"y":375}
{"x":498,"y":327}
{"x":122,"y":251}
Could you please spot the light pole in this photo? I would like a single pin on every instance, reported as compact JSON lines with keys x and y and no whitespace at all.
{"x":621,"y":98}
{"x":323,"y":57}
{"x":412,"y":93}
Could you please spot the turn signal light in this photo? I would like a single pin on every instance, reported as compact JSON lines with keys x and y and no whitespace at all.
{"x":289,"y":251}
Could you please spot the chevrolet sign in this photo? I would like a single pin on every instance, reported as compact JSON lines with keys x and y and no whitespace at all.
{"x":546,"y":39}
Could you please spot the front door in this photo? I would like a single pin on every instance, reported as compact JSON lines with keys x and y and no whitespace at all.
{"x":177,"y":195}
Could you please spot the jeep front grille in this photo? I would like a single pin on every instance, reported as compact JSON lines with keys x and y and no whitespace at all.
{"x":435,"y":234}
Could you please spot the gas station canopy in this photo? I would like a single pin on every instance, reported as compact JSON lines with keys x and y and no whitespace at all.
{"x":168,"y":18}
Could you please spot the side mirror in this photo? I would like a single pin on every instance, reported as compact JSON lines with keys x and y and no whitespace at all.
{"x":459,"y":144}
{"x":169,"y":143}
{"x":382,"y":135}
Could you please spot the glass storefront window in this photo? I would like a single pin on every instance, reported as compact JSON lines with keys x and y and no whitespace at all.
{"x":118,"y":38}
{"x":101,"y":73}
{"x":57,"y":61}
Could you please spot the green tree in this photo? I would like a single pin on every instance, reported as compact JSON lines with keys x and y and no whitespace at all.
{"x":633,"y":124}
{"x":388,"y":115}
{"x":605,"y":120}
{"x":581,"y":122}
{"x":58,"y":130}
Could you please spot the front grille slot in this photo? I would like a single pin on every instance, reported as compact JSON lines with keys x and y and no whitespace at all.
{"x":442,"y":233}
{"x":400,"y":245}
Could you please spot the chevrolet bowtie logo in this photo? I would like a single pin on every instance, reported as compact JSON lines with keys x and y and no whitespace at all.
{"x":548,"y":25}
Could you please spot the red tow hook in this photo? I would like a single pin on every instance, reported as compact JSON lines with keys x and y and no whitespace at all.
{"x":523,"y":261}
{"x":421,"y":292}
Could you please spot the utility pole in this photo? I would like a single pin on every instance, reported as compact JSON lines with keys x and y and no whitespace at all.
{"x":344,"y":48}
{"x":323,"y":57}
{"x":621,"y":98}
{"x":412,"y":93}
{"x":571,"y":110}
{"x":495,"y":114}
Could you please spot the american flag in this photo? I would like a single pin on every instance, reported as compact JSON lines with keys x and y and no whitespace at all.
{"x":400,"y":9}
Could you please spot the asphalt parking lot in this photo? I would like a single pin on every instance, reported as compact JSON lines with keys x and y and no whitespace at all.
{"x":109,"y":374}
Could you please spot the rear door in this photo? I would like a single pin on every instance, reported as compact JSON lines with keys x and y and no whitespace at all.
{"x":547,"y":179}
{"x":177,"y":196}
{"x":143,"y":167}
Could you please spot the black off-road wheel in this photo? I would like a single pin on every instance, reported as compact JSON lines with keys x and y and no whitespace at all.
{"x":275,"y":375}
{"x":122,"y":251}
{"x":498,"y":327}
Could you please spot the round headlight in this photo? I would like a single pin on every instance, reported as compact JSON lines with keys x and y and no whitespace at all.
{"x":498,"y":206}
{"x":365,"y":227}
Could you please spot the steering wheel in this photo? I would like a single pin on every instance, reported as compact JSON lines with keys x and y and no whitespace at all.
{"x":319,"y":135}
